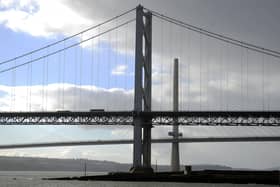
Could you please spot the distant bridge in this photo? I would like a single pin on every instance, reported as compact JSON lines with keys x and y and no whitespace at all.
{"x":163,"y":140}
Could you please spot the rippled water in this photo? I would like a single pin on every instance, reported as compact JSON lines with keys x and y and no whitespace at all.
{"x":33,"y":179}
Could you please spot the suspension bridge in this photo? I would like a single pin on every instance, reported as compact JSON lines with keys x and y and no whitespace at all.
{"x":104,"y":75}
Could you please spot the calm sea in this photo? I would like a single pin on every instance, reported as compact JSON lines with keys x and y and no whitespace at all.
{"x":33,"y":179}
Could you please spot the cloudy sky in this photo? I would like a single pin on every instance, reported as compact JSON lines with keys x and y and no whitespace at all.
{"x":99,"y":73}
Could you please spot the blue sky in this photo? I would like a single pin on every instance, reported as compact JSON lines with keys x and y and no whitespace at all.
{"x":67,"y":61}
{"x":28,"y":24}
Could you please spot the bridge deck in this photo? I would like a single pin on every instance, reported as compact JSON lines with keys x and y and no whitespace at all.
{"x":190,"y":118}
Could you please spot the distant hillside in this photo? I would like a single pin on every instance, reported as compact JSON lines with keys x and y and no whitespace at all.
{"x":210,"y":167}
{"x":50,"y":164}
{"x":275,"y":168}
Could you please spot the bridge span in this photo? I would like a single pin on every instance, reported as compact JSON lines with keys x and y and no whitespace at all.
{"x":188,"y":118}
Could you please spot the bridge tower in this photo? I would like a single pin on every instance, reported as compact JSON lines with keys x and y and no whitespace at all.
{"x":175,"y":156}
{"x":142,"y":92}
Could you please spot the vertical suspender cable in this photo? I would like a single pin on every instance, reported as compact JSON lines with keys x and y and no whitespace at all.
{"x":30,"y":90}
{"x":59,"y":82}
{"x":96,"y":68}
{"x":189,"y":70}
{"x":108,"y":69}
{"x":241,"y":80}
{"x":111,"y":61}
{"x":269,"y":84}
{"x":12,"y":94}
{"x":12,"y":90}
{"x":98,"y":62}
{"x":171,"y":64}
{"x":221,"y":77}
{"x":116,"y":53}
{"x":226,"y":71}
{"x":126,"y":62}
{"x":161,"y":63}
{"x":114,"y":61}
{"x":224,"y":87}
{"x":43,"y":84}
{"x":27,"y":84}
{"x":180,"y":70}
{"x":14,"y":87}
{"x":207,"y":79}
{"x":117,"y":83}
{"x":247,"y":78}
{"x":75,"y":78}
{"x":47,"y":79}
{"x":81,"y":74}
{"x":200,"y":71}
{"x":263,"y":85}
{"x":63,"y":75}
{"x":91,"y":73}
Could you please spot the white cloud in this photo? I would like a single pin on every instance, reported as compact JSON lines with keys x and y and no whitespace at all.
{"x":50,"y":97}
{"x":41,"y":18}
{"x":119,"y":70}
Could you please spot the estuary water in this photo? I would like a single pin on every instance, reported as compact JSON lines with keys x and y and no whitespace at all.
{"x":34,"y":179}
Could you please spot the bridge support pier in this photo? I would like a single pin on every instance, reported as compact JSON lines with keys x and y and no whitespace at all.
{"x":147,"y":147}
{"x":142,"y":92}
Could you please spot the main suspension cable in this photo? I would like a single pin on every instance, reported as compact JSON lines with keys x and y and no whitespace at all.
{"x":67,"y":38}
{"x":68,"y":47}
{"x":221,"y":37}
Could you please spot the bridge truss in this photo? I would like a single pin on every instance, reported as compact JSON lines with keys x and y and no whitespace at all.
{"x":187,"y":118}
